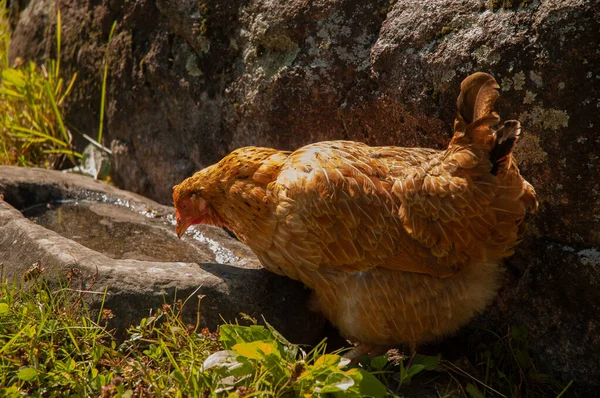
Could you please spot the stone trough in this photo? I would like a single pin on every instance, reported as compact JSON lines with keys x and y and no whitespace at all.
{"x":125,"y":242}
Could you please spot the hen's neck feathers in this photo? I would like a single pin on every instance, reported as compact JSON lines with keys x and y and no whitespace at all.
{"x":236,"y":191}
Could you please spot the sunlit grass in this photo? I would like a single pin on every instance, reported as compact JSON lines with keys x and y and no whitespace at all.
{"x":51,"y":345}
{"x":4,"y":35}
{"x":103,"y":88}
{"x":32,"y":127}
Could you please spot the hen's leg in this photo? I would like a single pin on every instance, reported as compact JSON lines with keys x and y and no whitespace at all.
{"x":358,"y":350}
{"x":361,"y":349}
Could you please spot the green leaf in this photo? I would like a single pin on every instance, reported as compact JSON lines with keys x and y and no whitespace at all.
{"x":428,"y":362}
{"x":368,"y":385}
{"x":230,"y":362}
{"x":13,"y":77}
{"x":288,"y":350}
{"x":474,"y":391}
{"x":178,"y":375}
{"x":277,"y":367}
{"x":523,"y":359}
{"x":378,"y":363}
{"x":27,"y":374}
{"x":337,"y":381}
{"x":328,"y":360}
{"x":414,"y":370}
{"x":4,"y":309}
{"x":256,"y":349}
{"x":230,"y":335}
{"x":519,"y":333}
{"x":407,"y":375}
{"x":10,"y":392}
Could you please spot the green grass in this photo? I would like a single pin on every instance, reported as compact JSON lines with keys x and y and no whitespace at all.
{"x":32,"y":127}
{"x":104,"y":79}
{"x":51,"y":345}
{"x":4,"y":35}
{"x":33,"y":130}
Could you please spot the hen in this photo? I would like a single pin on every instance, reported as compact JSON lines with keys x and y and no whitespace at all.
{"x":399,"y":245}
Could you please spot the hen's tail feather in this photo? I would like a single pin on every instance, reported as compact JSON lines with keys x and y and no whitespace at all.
{"x":504,"y":141}
{"x":476,"y":116}
{"x":478,"y":93}
{"x":475,"y":104}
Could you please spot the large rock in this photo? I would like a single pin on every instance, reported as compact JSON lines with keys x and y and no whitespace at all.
{"x":190,"y":81}
{"x":104,"y":237}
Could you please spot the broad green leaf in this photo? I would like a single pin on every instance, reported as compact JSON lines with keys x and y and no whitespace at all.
{"x":474,"y":391}
{"x":328,"y":360}
{"x":10,"y":392}
{"x":220,"y":358}
{"x":4,"y":309}
{"x":378,"y":363}
{"x":415,"y":369}
{"x":429,"y":362}
{"x":230,"y":335}
{"x":29,"y":331}
{"x":406,"y":376}
{"x":519,"y":333}
{"x":13,"y":77}
{"x":337,"y":381}
{"x":523,"y":359}
{"x":288,"y":350}
{"x":27,"y":374}
{"x":256,"y":349}
{"x":368,"y":385}
{"x":230,"y":362}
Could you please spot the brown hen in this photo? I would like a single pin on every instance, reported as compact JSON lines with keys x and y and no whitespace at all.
{"x":399,"y":245}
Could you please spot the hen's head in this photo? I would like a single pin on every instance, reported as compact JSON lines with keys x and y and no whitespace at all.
{"x":211,"y":195}
{"x":190,"y":208}
{"x":193,"y":199}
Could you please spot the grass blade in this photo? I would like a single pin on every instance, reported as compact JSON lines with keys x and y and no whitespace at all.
{"x":58,"y":33}
{"x":104,"y":78}
{"x":68,"y":90}
{"x":26,"y":133}
{"x":65,"y":152}
{"x":59,"y":120}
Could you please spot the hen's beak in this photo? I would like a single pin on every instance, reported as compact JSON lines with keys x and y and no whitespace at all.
{"x":181,"y":227}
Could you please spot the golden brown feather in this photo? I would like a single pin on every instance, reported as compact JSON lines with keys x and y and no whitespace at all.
{"x":400,"y":245}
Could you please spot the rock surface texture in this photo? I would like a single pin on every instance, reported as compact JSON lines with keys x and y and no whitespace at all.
{"x":105,"y":237}
{"x":191,"y":80}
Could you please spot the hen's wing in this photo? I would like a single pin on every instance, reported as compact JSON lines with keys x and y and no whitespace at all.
{"x":336,"y":209}
{"x":468,"y":204}
{"x":460,"y":211}
{"x":350,"y":207}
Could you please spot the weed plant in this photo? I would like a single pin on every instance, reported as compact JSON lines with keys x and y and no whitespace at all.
{"x":52,"y":345}
{"x":32,"y":127}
